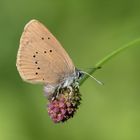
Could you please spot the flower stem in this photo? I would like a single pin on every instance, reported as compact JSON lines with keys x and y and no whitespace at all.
{"x":109,"y":57}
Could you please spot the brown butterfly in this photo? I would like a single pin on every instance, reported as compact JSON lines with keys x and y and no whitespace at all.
{"x":42,"y":59}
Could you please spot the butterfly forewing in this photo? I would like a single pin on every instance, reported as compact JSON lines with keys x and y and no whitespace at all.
{"x":40,"y":57}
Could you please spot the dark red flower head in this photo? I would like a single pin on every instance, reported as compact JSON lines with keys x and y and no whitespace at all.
{"x":64,"y":105}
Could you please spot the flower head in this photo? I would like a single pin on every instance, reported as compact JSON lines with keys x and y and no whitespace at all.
{"x":65,"y":103}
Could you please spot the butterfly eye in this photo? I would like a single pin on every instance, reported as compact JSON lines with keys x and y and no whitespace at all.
{"x":80,"y":75}
{"x":48,"y":37}
{"x":50,"y":50}
{"x":42,"y":38}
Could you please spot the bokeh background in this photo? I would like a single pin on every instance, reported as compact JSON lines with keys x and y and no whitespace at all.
{"x":88,"y":30}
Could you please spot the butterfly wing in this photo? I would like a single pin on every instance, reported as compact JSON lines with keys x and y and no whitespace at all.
{"x":41,"y":58}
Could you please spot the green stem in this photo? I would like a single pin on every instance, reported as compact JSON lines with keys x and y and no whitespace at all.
{"x":109,"y":57}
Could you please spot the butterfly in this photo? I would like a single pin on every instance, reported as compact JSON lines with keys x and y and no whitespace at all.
{"x":42,"y":59}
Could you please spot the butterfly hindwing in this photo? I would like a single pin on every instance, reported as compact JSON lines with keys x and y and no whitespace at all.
{"x":41,"y":58}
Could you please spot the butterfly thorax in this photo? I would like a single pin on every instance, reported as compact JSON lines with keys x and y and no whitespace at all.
{"x":68,"y":82}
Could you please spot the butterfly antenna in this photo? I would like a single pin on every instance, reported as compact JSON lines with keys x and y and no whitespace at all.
{"x":99,"y":82}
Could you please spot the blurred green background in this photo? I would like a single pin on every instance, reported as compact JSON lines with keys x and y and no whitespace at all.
{"x":88,"y":30}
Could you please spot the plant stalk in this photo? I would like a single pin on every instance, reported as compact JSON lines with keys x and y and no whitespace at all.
{"x":109,"y":57}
